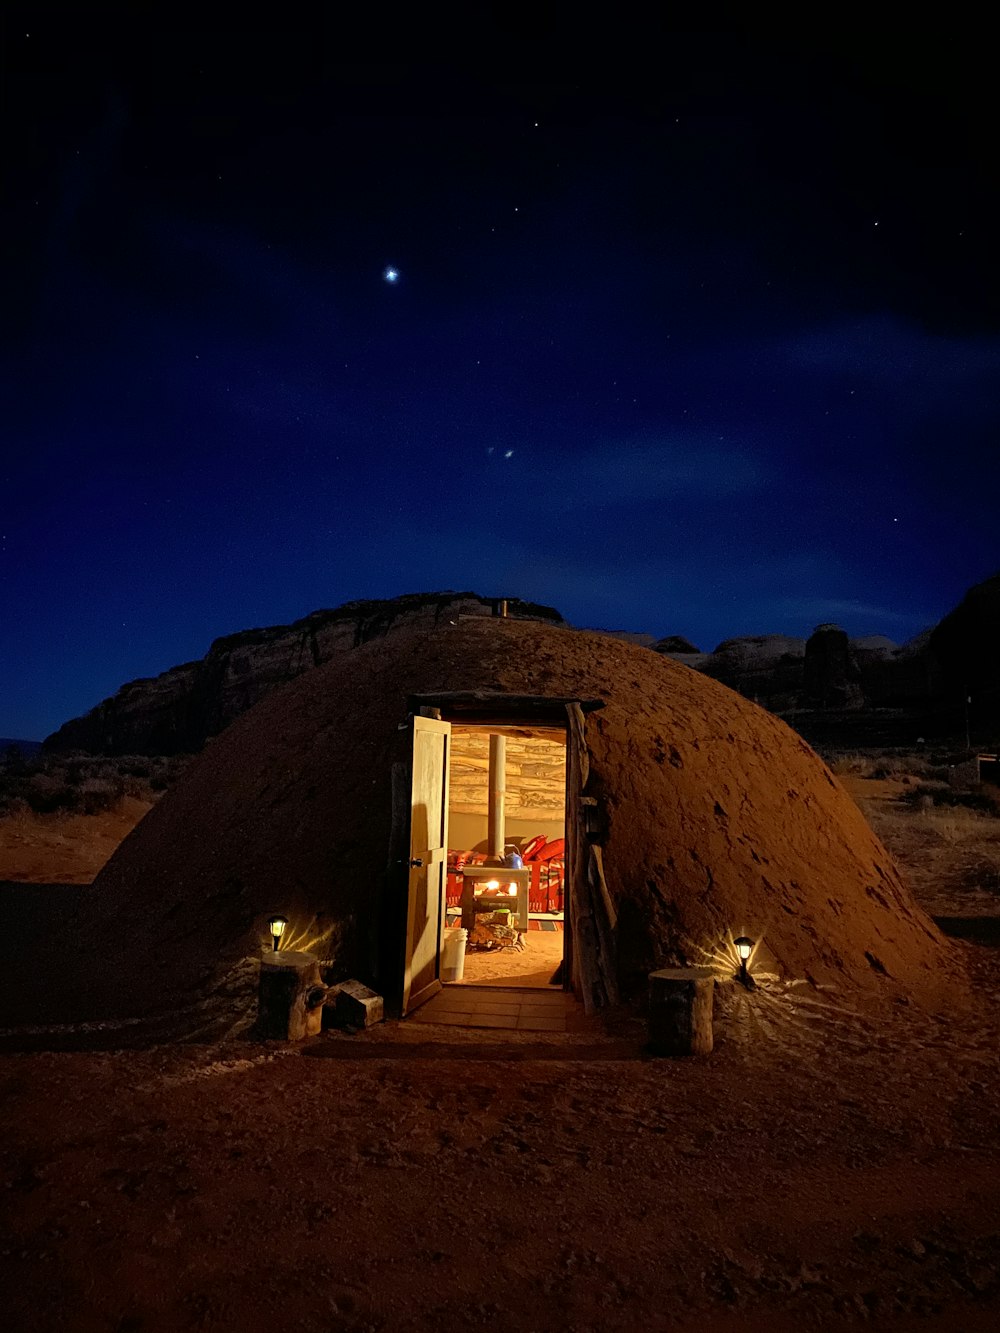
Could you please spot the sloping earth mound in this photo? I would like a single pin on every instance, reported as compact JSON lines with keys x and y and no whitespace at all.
{"x":720,"y":822}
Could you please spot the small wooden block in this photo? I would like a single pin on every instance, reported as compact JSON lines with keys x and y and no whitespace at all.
{"x":358,"y":1006}
{"x":680,"y":1010}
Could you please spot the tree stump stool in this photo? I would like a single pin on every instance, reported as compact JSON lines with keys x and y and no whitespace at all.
{"x":680,"y":1010}
{"x":290,"y":997}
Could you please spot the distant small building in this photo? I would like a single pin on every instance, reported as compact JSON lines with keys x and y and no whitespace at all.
{"x":989,"y":768}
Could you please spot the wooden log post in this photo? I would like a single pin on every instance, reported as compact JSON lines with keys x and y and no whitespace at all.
{"x":680,"y":1011}
{"x":290,"y":996}
{"x":497,"y":825}
{"x":590,"y":950}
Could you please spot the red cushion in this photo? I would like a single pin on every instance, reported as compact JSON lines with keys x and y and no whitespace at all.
{"x":530,"y":850}
{"x":552,"y":850}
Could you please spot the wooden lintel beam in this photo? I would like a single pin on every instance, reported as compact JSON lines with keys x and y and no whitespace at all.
{"x":495,"y":706}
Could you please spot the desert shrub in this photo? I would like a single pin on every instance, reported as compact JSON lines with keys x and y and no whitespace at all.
{"x":928,"y":796}
{"x":83,"y":783}
{"x":13,"y":763}
{"x":46,"y":793}
{"x":879,"y":766}
{"x":10,"y":790}
{"x":101,"y":794}
{"x":852,"y":765}
{"x":12,"y":800}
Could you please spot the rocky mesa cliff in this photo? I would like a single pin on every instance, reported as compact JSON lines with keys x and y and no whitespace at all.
{"x":176,"y":712}
{"x":928,"y":678}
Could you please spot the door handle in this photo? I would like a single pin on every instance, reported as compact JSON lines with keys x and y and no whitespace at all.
{"x":415,"y":862}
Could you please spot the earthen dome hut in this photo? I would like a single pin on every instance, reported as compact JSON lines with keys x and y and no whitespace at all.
{"x":712,"y":817}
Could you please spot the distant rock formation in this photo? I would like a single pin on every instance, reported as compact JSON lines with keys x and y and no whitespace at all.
{"x":176,"y":712}
{"x":675,"y":645}
{"x":764,"y":667}
{"x":831,"y":677}
{"x":967,"y":643}
{"x":929,"y":677}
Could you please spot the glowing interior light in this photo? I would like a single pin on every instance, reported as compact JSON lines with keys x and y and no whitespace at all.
{"x":277,"y":925}
{"x":492,"y":883}
{"x":512,"y":890}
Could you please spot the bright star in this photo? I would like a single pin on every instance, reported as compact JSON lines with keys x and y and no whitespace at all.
{"x":390,"y":274}
{"x":508,"y":453}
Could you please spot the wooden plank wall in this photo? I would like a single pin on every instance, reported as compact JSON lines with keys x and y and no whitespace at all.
{"x":536,"y":775}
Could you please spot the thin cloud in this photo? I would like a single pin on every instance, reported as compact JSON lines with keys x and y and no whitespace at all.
{"x":659,"y":470}
{"x":846,"y":608}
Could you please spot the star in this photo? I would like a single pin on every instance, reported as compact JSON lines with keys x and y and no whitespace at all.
{"x":508,"y":453}
{"x":390,"y":274}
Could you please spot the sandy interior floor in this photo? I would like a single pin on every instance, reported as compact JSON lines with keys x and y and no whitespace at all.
{"x":531,"y":966}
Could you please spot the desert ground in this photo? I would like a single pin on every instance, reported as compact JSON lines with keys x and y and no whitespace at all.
{"x":828,"y":1166}
{"x":64,"y":848}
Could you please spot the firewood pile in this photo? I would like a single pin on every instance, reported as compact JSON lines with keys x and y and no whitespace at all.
{"x":494,"y":931}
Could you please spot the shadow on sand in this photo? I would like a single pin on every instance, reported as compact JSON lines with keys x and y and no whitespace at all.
{"x":983,"y":930}
{"x":508,"y":1052}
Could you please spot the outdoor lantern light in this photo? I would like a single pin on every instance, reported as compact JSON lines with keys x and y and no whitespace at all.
{"x":277,"y":924}
{"x":744,"y":948}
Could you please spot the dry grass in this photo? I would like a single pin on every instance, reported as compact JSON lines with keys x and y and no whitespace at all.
{"x":71,"y":784}
{"x":944,"y":834}
{"x":892,"y":764}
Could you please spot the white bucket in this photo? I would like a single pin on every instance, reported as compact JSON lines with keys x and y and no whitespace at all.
{"x":453,"y":954}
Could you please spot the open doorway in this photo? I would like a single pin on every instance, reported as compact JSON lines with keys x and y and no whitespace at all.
{"x":506,"y":858}
{"x":567,"y":895}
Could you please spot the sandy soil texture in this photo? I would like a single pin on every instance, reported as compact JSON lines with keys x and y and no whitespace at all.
{"x":824,"y":1168}
{"x":61,"y":848}
{"x":531,"y":966}
{"x":831,"y":1165}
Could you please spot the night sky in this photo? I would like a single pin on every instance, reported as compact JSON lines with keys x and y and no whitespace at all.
{"x":691,"y":333}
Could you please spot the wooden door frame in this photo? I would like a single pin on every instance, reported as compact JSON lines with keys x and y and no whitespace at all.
{"x":410,"y":1000}
{"x":489,"y":708}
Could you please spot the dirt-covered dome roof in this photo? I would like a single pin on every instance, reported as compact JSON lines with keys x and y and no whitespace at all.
{"x":720,"y":821}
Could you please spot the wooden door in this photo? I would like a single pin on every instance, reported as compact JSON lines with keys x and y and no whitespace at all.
{"x":428,"y":860}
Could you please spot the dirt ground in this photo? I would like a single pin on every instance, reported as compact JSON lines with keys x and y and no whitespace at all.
{"x":822,"y":1169}
{"x":951,"y":855}
{"x":533,"y":965}
{"x":828,"y":1166}
{"x":62,"y":848}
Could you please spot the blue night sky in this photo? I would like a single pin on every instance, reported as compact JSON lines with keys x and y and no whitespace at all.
{"x":700,"y":339}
